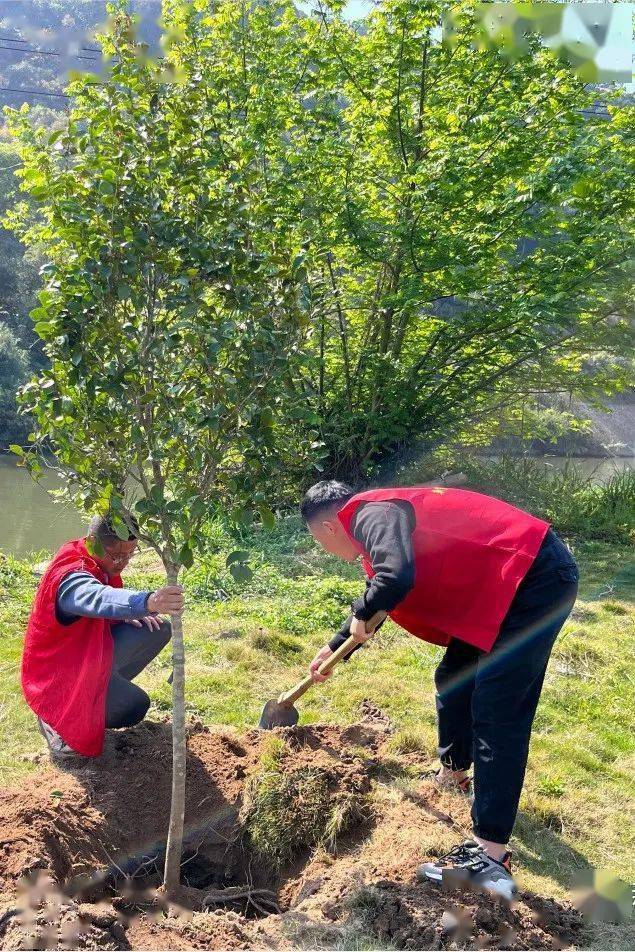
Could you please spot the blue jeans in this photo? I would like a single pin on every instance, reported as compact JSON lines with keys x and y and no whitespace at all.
{"x":134,"y":649}
{"x":486,"y":701}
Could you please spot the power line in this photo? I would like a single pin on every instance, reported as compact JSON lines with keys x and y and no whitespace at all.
{"x":13,"y":39}
{"x":33,"y":92}
{"x":92,"y":59}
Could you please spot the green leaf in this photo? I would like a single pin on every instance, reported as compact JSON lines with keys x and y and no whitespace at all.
{"x":94,"y":547}
{"x":267,"y":516}
{"x":241,"y":572}
{"x":240,"y":555}
{"x":198,"y":508}
{"x":120,"y":528}
{"x":17,"y":450}
{"x":186,"y":557}
{"x":156,"y":495}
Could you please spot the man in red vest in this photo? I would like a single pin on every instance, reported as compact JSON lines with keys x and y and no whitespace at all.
{"x":493,"y":585}
{"x":87,"y":639}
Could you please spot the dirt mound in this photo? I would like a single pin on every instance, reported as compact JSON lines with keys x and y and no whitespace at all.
{"x":81,"y":853}
{"x":115,"y":811}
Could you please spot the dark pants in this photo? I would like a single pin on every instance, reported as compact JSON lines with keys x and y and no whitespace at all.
{"x":127,"y":703}
{"x":486,"y":701}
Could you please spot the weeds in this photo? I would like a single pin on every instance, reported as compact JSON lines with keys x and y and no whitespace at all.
{"x":408,"y":742}
{"x":283,"y":647}
{"x":568,"y":498}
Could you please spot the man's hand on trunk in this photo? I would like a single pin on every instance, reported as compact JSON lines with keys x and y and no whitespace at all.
{"x":168,"y":600}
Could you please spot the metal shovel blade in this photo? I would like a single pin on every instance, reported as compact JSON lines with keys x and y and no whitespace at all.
{"x":275,"y":714}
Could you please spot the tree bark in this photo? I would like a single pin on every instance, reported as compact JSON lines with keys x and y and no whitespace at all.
{"x":172,"y":873}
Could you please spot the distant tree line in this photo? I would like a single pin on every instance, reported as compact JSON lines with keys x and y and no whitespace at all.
{"x":22,"y":67}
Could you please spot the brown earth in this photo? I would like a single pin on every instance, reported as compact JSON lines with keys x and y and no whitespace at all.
{"x":80,"y":854}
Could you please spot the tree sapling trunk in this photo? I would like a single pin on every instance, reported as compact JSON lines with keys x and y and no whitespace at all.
{"x":172,"y":874}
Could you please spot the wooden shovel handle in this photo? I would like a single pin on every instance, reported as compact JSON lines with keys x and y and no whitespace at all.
{"x":303,"y":686}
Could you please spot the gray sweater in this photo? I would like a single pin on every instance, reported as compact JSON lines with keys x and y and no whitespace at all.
{"x":80,"y":594}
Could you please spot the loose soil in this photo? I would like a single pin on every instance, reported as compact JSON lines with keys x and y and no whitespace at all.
{"x":81,"y":852}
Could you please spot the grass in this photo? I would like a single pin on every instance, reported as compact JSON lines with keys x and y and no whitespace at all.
{"x":247,"y":642}
{"x":286,"y":810}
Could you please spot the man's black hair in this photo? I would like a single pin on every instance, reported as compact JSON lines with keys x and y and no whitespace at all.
{"x":101,"y":528}
{"x":324,"y":495}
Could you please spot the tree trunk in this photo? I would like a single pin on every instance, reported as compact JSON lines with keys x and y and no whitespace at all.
{"x":172,"y":874}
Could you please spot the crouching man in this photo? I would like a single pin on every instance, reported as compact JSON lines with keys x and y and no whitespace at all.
{"x":86,"y":640}
{"x":493,"y":585}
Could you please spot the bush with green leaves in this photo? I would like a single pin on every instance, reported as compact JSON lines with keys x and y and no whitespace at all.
{"x":471,"y":239}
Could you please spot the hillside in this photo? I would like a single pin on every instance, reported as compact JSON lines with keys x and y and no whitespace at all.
{"x":41,"y":40}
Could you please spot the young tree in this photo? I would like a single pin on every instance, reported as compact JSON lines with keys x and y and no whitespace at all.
{"x":170,"y":313}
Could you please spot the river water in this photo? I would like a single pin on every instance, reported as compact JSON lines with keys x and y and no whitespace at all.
{"x":31,"y":520}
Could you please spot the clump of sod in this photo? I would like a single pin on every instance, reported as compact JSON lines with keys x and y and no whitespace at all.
{"x":289,"y":807}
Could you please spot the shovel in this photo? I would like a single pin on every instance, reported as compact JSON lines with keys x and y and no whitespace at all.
{"x":282,"y":713}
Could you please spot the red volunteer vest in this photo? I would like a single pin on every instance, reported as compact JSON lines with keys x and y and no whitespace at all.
{"x":66,"y":668}
{"x":471,"y":553}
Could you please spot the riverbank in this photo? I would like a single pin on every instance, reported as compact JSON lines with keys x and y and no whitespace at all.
{"x":567,"y":491}
{"x":247,"y":642}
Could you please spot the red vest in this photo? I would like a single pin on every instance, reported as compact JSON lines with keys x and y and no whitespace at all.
{"x":471,"y":553}
{"x":66,"y":668}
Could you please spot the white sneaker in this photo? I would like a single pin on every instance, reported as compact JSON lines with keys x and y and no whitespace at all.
{"x":464,"y":787}
{"x":58,"y":748}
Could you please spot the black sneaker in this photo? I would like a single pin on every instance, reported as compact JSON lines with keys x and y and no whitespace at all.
{"x":469,"y":864}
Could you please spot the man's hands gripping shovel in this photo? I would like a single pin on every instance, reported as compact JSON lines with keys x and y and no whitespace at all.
{"x":360,"y":631}
{"x":282,"y":713}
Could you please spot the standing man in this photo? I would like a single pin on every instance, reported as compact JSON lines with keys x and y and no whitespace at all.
{"x":87,"y":638}
{"x":494,"y":585}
